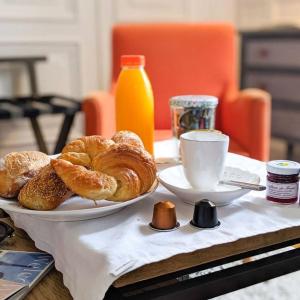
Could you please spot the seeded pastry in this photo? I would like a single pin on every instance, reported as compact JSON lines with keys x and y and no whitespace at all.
{"x":17,"y":168}
{"x":44,"y":191}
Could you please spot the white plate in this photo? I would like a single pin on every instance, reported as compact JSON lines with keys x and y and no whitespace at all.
{"x":75,"y":208}
{"x":174,"y":180}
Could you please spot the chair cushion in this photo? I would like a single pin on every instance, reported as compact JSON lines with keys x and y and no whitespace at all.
{"x":181,"y":58}
{"x":234,"y":147}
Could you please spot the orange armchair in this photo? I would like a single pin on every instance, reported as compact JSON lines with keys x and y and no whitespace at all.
{"x":188,"y":59}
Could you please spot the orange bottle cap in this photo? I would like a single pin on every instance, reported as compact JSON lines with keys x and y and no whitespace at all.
{"x":132,"y":60}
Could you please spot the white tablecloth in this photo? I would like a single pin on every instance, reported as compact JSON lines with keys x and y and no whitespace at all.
{"x":93,"y":254}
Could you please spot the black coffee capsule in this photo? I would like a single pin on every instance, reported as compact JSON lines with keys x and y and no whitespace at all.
{"x":205,"y":214}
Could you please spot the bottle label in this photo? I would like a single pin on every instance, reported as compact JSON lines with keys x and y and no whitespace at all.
{"x":282,"y":190}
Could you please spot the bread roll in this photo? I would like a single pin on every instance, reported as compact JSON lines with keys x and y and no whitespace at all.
{"x":17,"y":168}
{"x":44,"y":191}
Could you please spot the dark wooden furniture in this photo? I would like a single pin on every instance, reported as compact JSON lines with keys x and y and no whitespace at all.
{"x":170,"y":279}
{"x":36,"y":105}
{"x":270,"y":60}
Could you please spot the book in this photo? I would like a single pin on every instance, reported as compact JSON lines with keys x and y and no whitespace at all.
{"x":20,"y":271}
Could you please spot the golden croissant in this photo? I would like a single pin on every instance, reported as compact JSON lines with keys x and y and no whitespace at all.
{"x":86,"y":183}
{"x":81,"y":151}
{"x":90,"y":145}
{"x":133,"y":167}
{"x":119,"y":169}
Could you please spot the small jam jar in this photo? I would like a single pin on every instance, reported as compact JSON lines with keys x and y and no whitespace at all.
{"x":283,"y":181}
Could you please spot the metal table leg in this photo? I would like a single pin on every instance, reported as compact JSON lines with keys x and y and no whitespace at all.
{"x":64,"y":132}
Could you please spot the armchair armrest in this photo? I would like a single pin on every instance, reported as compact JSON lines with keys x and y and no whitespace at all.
{"x":247,"y":120}
{"x":99,"y":110}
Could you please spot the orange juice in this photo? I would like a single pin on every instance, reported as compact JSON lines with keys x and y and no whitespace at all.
{"x":134,"y":100}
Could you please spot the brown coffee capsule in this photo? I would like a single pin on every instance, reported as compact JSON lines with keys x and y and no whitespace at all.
{"x":164,"y":216}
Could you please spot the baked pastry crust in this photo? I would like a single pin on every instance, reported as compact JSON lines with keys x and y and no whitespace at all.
{"x":133,"y":167}
{"x":81,"y":159}
{"x":17,"y":168}
{"x":89,"y":184}
{"x":44,"y":191}
{"x":120,"y":169}
{"x":94,"y":168}
{"x":91,"y":145}
{"x":128,"y":137}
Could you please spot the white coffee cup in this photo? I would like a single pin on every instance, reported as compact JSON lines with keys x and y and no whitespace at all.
{"x":203,"y":157}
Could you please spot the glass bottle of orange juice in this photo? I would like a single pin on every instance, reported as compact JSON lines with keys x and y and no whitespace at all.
{"x":134,"y":100}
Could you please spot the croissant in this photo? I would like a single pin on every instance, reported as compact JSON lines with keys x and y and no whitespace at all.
{"x":89,"y":184}
{"x":121,"y":172}
{"x":44,"y":191}
{"x":81,"y":159}
{"x":91,"y":145}
{"x":81,"y":151}
{"x":17,"y":168}
{"x":133,"y":167}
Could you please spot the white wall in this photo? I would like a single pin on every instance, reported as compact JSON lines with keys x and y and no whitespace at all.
{"x":75,"y":34}
{"x":253,"y":14}
{"x":75,"y":37}
{"x":62,"y":30}
{"x":65,"y":32}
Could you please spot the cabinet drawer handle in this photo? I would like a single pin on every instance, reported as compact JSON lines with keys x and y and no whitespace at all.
{"x":263,"y":53}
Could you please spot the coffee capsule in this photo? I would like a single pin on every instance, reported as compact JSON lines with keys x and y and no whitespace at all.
{"x":164,"y":216}
{"x":205,"y":214}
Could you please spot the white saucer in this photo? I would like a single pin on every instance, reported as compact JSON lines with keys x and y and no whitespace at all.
{"x":174,"y":180}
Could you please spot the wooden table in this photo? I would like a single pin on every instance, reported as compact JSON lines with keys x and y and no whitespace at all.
{"x":51,"y":287}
